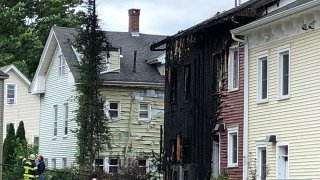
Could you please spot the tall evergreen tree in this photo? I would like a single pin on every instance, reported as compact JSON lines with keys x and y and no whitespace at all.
{"x":25,"y":25}
{"x":9,"y":147}
{"x":93,"y":134}
{"x":21,"y":133}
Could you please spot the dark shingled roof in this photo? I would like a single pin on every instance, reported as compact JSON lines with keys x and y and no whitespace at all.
{"x":3,"y":75}
{"x":128,"y":43}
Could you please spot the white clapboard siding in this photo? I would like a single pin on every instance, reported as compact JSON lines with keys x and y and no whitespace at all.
{"x":58,"y":92}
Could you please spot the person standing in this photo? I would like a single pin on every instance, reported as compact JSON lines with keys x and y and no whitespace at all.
{"x":41,"y":168}
{"x":30,"y":168}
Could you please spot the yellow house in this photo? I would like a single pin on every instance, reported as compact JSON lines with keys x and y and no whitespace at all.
{"x":282,"y":107}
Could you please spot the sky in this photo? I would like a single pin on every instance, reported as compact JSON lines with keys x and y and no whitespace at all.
{"x":163,"y":17}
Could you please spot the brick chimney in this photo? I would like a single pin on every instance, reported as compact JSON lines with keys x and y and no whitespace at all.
{"x":134,"y":15}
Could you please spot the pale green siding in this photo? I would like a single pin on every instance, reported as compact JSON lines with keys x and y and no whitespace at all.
{"x":58,"y":92}
{"x":296,"y":120}
{"x":144,"y":137}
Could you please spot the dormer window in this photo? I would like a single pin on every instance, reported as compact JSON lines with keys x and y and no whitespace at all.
{"x":61,"y":65}
{"x":111,"y":63}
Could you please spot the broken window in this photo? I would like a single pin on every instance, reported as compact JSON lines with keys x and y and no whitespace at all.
{"x":174,"y":79}
{"x":187,"y":82}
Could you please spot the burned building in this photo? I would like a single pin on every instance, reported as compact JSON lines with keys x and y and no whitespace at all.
{"x":200,"y":103}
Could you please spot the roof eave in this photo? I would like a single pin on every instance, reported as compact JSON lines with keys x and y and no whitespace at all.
{"x":243,"y":30}
{"x":133,"y":84}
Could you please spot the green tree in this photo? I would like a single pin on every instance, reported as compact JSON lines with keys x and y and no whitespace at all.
{"x":93,"y":134}
{"x":8,"y":148}
{"x":21,"y":133}
{"x":25,"y":25}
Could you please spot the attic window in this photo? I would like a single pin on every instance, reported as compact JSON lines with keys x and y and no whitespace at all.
{"x":61,"y":65}
{"x":111,"y":62}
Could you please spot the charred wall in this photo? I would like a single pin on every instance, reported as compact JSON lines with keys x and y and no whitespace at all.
{"x":194,"y":68}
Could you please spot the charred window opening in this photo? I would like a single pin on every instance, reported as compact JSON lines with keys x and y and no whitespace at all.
{"x":187,"y":82}
{"x":173,"y":82}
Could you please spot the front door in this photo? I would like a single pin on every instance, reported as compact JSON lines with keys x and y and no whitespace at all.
{"x":282,"y":162}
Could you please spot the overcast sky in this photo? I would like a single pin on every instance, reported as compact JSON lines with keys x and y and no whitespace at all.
{"x":164,"y":17}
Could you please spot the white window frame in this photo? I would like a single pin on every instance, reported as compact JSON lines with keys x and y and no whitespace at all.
{"x":15,"y":94}
{"x":231,"y":84}
{"x":260,"y":57}
{"x":260,"y":146}
{"x":55,"y":120}
{"x":149,"y":111}
{"x":107,"y":163}
{"x":64,"y":164}
{"x":231,"y":132}
{"x":146,"y":166}
{"x":53,"y":163}
{"x":282,"y":51}
{"x":278,"y":145}
{"x":33,"y":136}
{"x":61,"y":65}
{"x":65,"y":119}
{"x":118,"y":102}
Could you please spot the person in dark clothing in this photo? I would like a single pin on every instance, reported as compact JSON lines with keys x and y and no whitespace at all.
{"x":41,"y":168}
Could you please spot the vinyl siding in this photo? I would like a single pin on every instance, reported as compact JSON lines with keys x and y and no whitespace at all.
{"x":294,"y":120}
{"x":231,"y":114}
{"x":58,"y":92}
{"x":145,"y":137}
{"x":26,"y":109}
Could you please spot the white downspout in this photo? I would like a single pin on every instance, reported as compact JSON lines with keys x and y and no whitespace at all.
{"x":245,"y":105}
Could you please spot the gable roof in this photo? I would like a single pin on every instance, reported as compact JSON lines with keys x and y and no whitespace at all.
{"x":287,"y":10}
{"x":145,"y":73}
{"x":7,"y":68}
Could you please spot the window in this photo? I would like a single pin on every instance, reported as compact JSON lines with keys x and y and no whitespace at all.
{"x":232,"y":147}
{"x":53,"y":163}
{"x":187,"y":82}
{"x":64,"y":163}
{"x":65,"y":118}
{"x":233,"y":70}
{"x":142,"y":163}
{"x":113,"y":165}
{"x":100,"y":163}
{"x":144,"y":111}
{"x":36,"y":140}
{"x":61,"y":65}
{"x":114,"y":110}
{"x":283,"y":74}
{"x":173,"y":84}
{"x":263,"y":78}
{"x":262,"y":163}
{"x":55,"y":120}
{"x":11,"y":93}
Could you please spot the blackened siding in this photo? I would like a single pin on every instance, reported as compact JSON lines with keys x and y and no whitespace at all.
{"x":231,"y":113}
{"x":193,"y":119}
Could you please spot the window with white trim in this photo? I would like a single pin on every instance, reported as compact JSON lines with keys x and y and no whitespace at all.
{"x":263,"y":78}
{"x":142,"y":163}
{"x":100,"y":164}
{"x":113,"y":165}
{"x":55,"y":120}
{"x":284,"y":74}
{"x":11,"y":93}
{"x":232,"y":147}
{"x":233,"y":70}
{"x":65,"y":118}
{"x":53,"y":163}
{"x":144,"y":111}
{"x":262,"y":163}
{"x":64,"y":163}
{"x":114,"y":110}
{"x":61,"y":65}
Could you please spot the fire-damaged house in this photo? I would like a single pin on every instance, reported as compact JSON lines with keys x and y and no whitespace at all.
{"x":204,"y":115}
